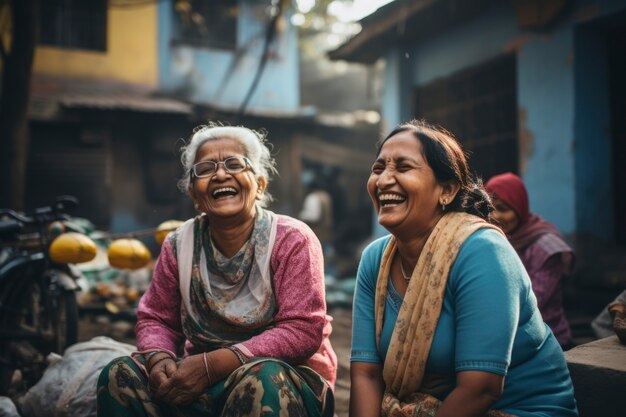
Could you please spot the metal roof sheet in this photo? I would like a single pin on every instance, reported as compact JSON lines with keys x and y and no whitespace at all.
{"x":124,"y":102}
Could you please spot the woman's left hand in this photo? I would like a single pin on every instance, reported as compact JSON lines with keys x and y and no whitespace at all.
{"x":188,"y":382}
{"x":192,"y":377}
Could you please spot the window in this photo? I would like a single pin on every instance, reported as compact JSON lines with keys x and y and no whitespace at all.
{"x":73,"y":23}
{"x":206,"y":23}
{"x":479,"y":106}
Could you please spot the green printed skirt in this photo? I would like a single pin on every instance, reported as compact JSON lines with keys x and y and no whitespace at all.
{"x":260,"y":387}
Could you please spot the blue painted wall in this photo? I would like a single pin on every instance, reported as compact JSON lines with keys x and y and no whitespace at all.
{"x":396,"y":100}
{"x":469,"y":44}
{"x":206,"y":75}
{"x":545,"y":80}
{"x":564,"y":143}
{"x":543,"y":65}
{"x":391,"y":114}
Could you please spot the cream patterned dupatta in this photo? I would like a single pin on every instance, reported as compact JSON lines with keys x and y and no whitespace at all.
{"x":418,"y":316}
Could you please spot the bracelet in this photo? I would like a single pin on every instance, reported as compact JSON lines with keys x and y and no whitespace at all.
{"x":155,"y":364}
{"x":206,"y":368}
{"x":149,"y":355}
{"x":237,"y":353}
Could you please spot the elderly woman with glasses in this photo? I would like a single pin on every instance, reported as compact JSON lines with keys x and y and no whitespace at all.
{"x":234,"y":322}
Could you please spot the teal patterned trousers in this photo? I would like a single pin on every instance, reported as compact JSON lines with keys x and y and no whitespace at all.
{"x":261,"y":387}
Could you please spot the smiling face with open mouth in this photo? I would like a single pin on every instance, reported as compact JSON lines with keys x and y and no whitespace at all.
{"x":403,"y":187}
{"x":225,"y":194}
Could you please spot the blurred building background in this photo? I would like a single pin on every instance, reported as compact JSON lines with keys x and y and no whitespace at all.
{"x":529,"y":86}
{"x":533,"y":87}
{"x":118,"y":85}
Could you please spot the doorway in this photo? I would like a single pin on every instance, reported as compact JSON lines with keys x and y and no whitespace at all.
{"x":617,"y":88}
{"x":478,"y":106}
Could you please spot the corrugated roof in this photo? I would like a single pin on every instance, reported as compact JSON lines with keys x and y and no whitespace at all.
{"x":51,"y":95}
{"x":124,"y":102}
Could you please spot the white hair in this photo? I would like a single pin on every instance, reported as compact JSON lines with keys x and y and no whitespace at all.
{"x":254,"y":144}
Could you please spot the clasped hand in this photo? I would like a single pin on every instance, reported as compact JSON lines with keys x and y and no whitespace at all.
{"x":178,"y":384}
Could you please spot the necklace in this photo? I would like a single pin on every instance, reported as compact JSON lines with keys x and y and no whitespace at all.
{"x":404,"y":274}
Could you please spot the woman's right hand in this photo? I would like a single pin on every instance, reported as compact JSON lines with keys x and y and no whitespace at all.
{"x":194,"y":374}
{"x":160,"y":368}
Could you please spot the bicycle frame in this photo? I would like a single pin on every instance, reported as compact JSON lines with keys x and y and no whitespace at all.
{"x":38,"y":310}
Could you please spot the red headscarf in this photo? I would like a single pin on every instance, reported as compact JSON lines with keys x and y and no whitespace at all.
{"x":509,"y":188}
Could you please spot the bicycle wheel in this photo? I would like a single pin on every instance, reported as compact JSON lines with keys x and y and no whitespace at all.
{"x":49,"y":316}
{"x":64,"y":321}
{"x":9,"y":292}
{"x":20,"y":320}
{"x":45,"y":311}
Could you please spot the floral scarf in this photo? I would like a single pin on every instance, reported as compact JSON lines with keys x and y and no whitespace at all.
{"x":225,"y":301}
{"x":413,"y":334}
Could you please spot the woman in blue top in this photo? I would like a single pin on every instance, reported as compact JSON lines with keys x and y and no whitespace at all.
{"x":445,"y":322}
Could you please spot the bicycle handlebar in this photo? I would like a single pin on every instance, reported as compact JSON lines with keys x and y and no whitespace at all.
{"x":46,"y":214}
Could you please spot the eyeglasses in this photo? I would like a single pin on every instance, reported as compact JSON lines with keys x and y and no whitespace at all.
{"x":232,"y":165}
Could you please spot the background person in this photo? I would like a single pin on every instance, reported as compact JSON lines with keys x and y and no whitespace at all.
{"x":444,"y":320}
{"x":317,"y":212}
{"x":544,"y":253}
{"x":608,"y":322}
{"x":239,"y":292}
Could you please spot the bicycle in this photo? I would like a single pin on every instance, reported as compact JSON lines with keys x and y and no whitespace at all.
{"x":38,"y":307}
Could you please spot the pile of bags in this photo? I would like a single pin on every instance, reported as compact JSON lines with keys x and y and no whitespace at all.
{"x":68,"y":387}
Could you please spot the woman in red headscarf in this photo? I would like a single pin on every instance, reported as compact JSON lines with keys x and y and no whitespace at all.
{"x":541,"y":247}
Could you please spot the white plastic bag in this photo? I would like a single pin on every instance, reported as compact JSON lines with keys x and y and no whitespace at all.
{"x":7,"y":408}
{"x":68,"y":386}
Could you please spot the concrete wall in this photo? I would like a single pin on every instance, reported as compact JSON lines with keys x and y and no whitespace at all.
{"x":598,"y":371}
{"x":468,"y":44}
{"x":130,"y":57}
{"x":564,"y":148}
{"x":211,"y":76}
{"x":396,"y":100}
{"x":546,"y":99}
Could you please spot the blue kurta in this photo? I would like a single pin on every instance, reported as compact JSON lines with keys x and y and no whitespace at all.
{"x":489,"y":322}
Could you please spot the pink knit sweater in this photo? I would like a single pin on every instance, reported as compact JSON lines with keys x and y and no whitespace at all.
{"x":301,"y":325}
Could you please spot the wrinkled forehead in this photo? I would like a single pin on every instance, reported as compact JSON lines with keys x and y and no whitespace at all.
{"x":401,"y":145}
{"x":220,"y":148}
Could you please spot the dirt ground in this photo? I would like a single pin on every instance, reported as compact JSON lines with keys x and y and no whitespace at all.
{"x":92,"y":325}
{"x":341,"y":341}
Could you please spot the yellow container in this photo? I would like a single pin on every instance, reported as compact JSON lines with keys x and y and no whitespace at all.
{"x":128,"y":254}
{"x":164,"y":228}
{"x":72,"y":248}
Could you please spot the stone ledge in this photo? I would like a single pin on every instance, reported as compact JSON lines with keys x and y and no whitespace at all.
{"x":598,"y":371}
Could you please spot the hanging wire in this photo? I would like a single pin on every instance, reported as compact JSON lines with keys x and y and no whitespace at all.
{"x":276,"y":11}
